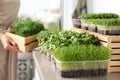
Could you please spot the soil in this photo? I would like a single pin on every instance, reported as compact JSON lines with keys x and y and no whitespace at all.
{"x":77,"y":23}
{"x":84,"y":27}
{"x":109,"y":32}
{"x":93,"y":29}
{"x":84,"y":73}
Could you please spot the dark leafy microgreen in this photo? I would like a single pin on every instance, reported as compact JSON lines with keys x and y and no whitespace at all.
{"x":98,"y":16}
{"x":53,"y":40}
{"x":26,"y":27}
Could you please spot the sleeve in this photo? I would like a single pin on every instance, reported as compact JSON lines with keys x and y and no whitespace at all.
{"x":8,"y":11}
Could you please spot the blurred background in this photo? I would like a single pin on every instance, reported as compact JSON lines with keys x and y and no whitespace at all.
{"x":56,"y":15}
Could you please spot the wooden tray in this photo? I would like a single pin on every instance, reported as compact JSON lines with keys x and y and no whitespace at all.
{"x":25,"y":44}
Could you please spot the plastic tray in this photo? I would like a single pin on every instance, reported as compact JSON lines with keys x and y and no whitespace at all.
{"x":73,"y":69}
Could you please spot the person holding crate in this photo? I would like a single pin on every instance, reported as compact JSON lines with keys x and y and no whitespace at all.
{"x":8,"y":48}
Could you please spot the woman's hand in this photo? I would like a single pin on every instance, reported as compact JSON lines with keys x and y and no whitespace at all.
{"x":8,"y":43}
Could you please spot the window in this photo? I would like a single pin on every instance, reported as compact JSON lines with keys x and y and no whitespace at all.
{"x":37,"y":7}
{"x":45,"y":10}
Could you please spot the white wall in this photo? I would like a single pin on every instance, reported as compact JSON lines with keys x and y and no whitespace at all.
{"x":89,"y":6}
{"x":97,"y":6}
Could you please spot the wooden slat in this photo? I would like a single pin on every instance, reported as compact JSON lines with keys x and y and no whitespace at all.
{"x":30,"y":39}
{"x":29,"y":47}
{"x":20,"y":39}
{"x":115,"y":45}
{"x":114,"y":69}
{"x":115,"y":51}
{"x":104,"y":43}
{"x":115,"y":38}
{"x":77,"y":30}
{"x":101,"y":37}
{"x":115,"y":57}
{"x":115,"y":63}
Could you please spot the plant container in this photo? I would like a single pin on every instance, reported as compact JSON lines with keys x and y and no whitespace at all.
{"x":76,"y":23}
{"x":84,"y":25}
{"x":92,"y":28}
{"x":74,"y":69}
{"x":25,"y":44}
{"x":108,"y":31}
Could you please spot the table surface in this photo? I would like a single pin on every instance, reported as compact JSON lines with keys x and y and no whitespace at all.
{"x":47,"y":70}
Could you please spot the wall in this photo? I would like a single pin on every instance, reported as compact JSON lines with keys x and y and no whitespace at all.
{"x":94,"y":6}
{"x":97,"y":6}
{"x":37,"y":7}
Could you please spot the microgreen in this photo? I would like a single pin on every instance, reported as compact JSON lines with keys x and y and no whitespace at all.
{"x":26,"y":27}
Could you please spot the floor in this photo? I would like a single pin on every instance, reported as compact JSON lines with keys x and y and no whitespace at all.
{"x":25,"y":70}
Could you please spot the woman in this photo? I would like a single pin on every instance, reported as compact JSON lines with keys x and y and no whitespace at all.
{"x":8,"y":48}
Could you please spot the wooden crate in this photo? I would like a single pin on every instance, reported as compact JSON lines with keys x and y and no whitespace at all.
{"x":112,"y":42}
{"x":25,"y":44}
